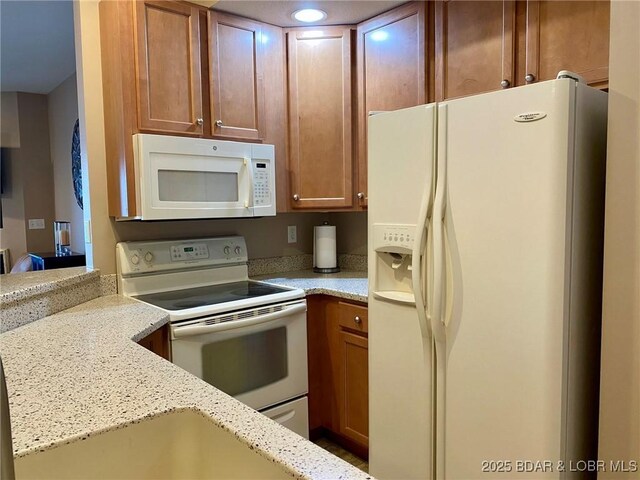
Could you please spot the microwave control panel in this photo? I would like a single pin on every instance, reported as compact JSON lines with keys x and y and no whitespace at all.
{"x":261,"y":184}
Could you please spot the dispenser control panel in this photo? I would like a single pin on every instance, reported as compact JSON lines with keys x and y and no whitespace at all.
{"x":393,"y":237}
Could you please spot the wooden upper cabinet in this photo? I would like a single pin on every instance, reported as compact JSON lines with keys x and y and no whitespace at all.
{"x":236,"y":72}
{"x":567,"y":35}
{"x":474,"y":51}
{"x":168,"y":76}
{"x":391,"y":61}
{"x":320,"y":142}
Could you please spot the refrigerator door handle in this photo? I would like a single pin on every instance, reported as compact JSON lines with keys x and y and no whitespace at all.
{"x":438,"y":288}
{"x":437,"y":324}
{"x":417,"y":272}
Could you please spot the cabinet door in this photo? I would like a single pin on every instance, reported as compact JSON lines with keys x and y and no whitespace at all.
{"x":236,"y":70}
{"x":354,"y":401}
{"x":567,"y":35}
{"x":320,"y":148}
{"x":158,"y":342}
{"x":474,"y":47}
{"x":168,"y":77}
{"x":391,"y":71}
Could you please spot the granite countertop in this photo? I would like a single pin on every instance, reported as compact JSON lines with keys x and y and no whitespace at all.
{"x":18,"y":286}
{"x":79,"y":373}
{"x":351,"y":285}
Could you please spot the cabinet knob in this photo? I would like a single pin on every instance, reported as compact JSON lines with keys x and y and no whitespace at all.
{"x":219,"y":123}
{"x":200,"y":121}
{"x":357,"y":319}
{"x":296,"y":197}
{"x":505,"y":83}
{"x":360,"y":195}
{"x":530,"y":77}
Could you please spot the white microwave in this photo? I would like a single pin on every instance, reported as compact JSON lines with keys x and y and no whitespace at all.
{"x":190,"y":178}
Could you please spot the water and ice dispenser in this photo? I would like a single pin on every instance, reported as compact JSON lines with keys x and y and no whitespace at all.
{"x":393,"y":245}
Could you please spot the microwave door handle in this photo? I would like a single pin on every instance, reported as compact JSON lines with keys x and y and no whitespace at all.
{"x":202,"y":328}
{"x":250,"y":193}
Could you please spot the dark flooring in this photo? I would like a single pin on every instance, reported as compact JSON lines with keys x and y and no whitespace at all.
{"x":338,"y":451}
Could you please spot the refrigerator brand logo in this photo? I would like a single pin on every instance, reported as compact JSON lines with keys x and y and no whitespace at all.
{"x":529,"y":117}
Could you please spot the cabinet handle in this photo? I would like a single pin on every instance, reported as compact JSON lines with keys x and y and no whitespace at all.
{"x":199,"y":121}
{"x":505,"y":83}
{"x":530,"y":77}
{"x":360,"y":195}
{"x":219,"y":123}
{"x":296,"y":197}
{"x":357,"y":319}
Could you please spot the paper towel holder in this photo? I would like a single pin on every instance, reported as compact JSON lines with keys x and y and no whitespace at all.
{"x":330,"y":268}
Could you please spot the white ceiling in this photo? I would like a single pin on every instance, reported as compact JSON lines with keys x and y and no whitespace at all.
{"x":36,"y":45}
{"x":339,"y":12}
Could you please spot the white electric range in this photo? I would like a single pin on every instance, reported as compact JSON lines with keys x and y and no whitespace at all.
{"x":246,"y":338}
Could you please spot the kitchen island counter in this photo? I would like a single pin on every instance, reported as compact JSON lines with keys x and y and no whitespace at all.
{"x":79,"y":373}
{"x":350,"y":285}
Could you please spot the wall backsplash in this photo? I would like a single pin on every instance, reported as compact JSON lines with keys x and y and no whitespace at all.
{"x":266,"y":237}
{"x":351,"y":228}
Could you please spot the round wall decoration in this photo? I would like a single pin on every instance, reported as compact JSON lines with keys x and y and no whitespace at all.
{"x":76,"y":164}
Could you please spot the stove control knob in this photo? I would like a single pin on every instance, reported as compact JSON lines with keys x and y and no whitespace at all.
{"x":238,"y":250}
{"x":227,"y":250}
{"x":148,"y":257}
{"x":135,"y":259}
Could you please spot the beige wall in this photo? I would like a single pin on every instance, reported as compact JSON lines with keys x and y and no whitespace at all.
{"x":9,"y":129}
{"x":37,"y":170}
{"x":63,"y":112}
{"x":100,"y":241}
{"x":28,"y":181}
{"x":13,"y":235}
{"x":620,"y":377}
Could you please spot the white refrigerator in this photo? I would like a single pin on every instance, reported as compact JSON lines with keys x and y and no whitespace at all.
{"x":485,"y":272}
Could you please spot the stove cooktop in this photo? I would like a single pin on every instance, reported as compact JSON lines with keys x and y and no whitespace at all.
{"x":187,"y":298}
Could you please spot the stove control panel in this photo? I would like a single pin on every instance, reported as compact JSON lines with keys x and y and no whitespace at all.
{"x":191,"y":251}
{"x":134,"y":258}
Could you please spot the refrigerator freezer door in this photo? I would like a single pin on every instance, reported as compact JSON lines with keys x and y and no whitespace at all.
{"x":401,"y":160}
{"x":507,"y":231}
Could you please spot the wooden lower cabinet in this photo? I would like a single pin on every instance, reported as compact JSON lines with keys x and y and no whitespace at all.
{"x":338,"y":372}
{"x":159,"y":342}
{"x":353,"y":399}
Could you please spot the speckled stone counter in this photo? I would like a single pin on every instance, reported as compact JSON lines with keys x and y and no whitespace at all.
{"x":29,"y":296}
{"x":351,"y":285}
{"x":79,"y":373}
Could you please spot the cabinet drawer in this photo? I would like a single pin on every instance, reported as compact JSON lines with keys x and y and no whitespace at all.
{"x":353,"y":317}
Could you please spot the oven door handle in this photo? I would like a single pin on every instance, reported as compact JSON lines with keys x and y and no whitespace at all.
{"x":203,"y":328}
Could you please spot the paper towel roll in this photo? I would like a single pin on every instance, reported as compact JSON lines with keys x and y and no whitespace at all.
{"x":325,"y":259}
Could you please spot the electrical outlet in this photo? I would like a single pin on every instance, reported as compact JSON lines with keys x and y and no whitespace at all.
{"x":292,"y":234}
{"x":36,"y":224}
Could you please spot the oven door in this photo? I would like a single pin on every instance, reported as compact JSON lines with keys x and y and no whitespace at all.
{"x":193,"y":178}
{"x":258,"y":356}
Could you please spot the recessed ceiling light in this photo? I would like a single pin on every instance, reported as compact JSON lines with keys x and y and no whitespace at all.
{"x":309,"y":15}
